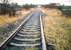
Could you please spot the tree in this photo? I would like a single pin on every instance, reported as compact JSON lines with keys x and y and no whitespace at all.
{"x":5,"y":1}
{"x":27,"y":6}
{"x":6,"y":8}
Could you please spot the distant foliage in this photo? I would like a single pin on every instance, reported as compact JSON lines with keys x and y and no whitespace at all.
{"x":66,"y":10}
{"x":26,"y":6}
{"x":6,"y":8}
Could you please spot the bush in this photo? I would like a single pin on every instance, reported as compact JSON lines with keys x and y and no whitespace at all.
{"x":7,"y":9}
{"x":28,"y":6}
{"x":66,"y":10}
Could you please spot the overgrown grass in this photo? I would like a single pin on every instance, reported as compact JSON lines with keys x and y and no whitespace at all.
{"x":57,"y":31}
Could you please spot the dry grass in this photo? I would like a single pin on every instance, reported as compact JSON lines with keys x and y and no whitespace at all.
{"x":5,"y":19}
{"x":57,"y":29}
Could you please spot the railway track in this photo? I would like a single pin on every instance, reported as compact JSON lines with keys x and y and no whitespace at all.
{"x":29,"y":36}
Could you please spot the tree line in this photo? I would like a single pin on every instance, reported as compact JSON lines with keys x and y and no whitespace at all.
{"x":10,"y":8}
{"x":66,"y":10}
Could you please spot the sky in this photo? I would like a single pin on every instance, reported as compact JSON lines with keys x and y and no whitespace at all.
{"x":20,"y":2}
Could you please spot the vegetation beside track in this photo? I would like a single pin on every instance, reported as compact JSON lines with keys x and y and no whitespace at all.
{"x":57,"y":29}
